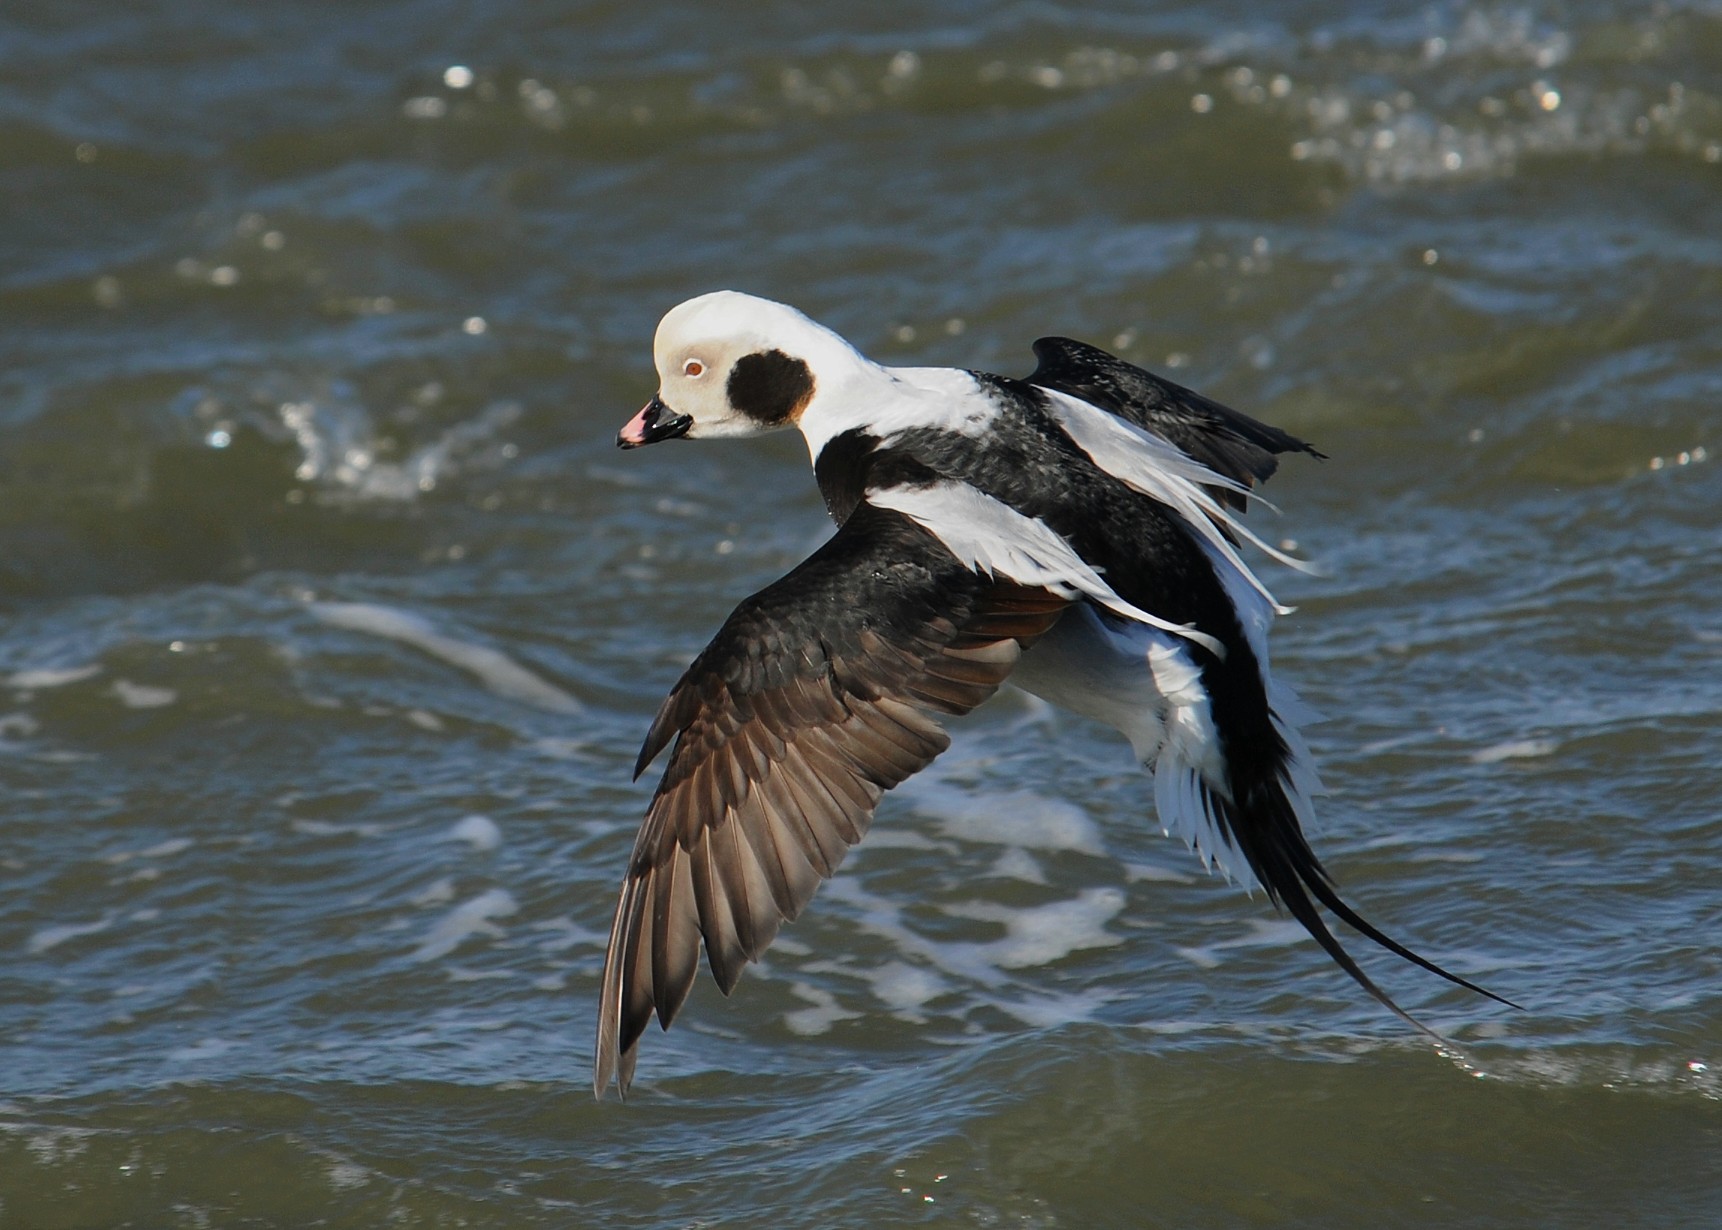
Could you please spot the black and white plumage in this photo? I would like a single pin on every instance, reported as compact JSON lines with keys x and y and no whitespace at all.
{"x":1076,"y":532}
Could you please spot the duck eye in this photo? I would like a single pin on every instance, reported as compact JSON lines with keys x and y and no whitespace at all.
{"x":693,"y":367}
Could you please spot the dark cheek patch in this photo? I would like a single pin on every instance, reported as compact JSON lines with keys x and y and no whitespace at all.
{"x":770,"y":387}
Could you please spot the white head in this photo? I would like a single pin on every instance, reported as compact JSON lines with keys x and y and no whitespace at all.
{"x":731,"y":364}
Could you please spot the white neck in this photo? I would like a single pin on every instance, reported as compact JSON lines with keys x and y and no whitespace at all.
{"x":895,"y":399}
{"x":858,"y":394}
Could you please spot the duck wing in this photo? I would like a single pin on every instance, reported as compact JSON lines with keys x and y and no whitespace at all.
{"x":817,"y":695}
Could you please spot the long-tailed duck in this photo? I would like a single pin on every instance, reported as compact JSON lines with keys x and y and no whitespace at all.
{"x":1076,"y":532}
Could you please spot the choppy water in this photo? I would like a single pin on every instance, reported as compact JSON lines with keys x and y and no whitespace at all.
{"x":332,"y":619}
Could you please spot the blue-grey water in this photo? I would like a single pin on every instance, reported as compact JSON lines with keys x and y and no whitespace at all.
{"x":331,"y":620}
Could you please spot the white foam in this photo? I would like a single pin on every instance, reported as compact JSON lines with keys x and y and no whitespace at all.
{"x":824,"y":1013}
{"x":162,"y":849}
{"x":1391,"y":745}
{"x":1139,"y":873}
{"x":897,"y":839}
{"x":168,"y":848}
{"x":142,"y":695}
{"x":1262,"y":933}
{"x":328,"y":828}
{"x":1201,"y":958}
{"x":343,"y":1175}
{"x":905,"y":988}
{"x":1040,"y":935}
{"x":1517,"y":749}
{"x":1176,"y":1028}
{"x":51,"y":677}
{"x":560,"y":747}
{"x":562,"y":933}
{"x":53,"y":937}
{"x":50,"y":1146}
{"x":207,"y":1048}
{"x":1033,"y":936}
{"x":968,"y":974}
{"x":17,"y":726}
{"x":339,"y":447}
{"x":1049,"y":1011}
{"x":1021,"y":818}
{"x":1018,"y":864}
{"x":438,"y":892}
{"x":883,"y":918}
{"x":479,"y":832}
{"x":464,"y":921}
{"x":493,"y":668}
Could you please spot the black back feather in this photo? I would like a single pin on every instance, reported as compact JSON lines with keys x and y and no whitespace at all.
{"x":1229,"y":443}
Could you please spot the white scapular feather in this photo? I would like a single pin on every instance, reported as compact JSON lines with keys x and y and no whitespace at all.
{"x":1159,"y":469}
{"x":991,"y":537}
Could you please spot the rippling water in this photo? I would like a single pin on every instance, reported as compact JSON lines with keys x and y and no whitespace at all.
{"x":332,"y":619}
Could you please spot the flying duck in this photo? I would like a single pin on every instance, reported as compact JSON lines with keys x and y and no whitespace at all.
{"x":1077,"y":532}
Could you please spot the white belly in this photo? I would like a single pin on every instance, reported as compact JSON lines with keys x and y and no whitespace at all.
{"x":1098,"y":665}
{"x":1141,"y":681}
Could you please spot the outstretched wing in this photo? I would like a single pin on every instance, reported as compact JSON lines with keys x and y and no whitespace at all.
{"x":1228,"y":443}
{"x":819,"y":694}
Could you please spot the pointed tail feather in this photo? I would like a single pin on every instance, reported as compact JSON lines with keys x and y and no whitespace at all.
{"x":1327,"y":896}
{"x":1271,"y":839}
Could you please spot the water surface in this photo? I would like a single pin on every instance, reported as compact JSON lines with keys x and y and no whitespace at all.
{"x":332,"y":618}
